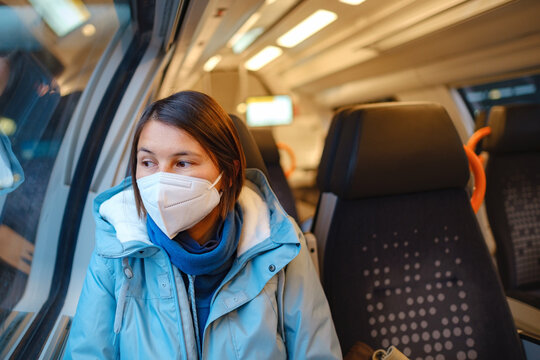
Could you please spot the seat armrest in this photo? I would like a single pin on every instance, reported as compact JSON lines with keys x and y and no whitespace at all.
{"x":526,"y":317}
{"x":531,"y":345}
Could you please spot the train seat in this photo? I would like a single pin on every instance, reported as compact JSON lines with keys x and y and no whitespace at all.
{"x":254,"y":158}
{"x":403,"y":260}
{"x":513,"y":197}
{"x":270,"y":154}
{"x":480,"y":121}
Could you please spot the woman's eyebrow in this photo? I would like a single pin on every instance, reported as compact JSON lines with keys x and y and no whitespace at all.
{"x":145,"y":150}
{"x":184,"y":153}
{"x":180,"y":153}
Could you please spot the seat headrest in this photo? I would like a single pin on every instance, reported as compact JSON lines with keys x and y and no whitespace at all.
{"x":391,"y":148}
{"x":267,"y":145}
{"x":514,"y":128}
{"x":251,"y":150}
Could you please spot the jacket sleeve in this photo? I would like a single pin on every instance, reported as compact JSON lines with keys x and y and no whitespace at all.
{"x":92,"y":335}
{"x":309,"y":329}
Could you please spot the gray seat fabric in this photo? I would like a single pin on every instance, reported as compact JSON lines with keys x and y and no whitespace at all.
{"x":251,"y":150}
{"x":404,"y":261}
{"x":480,"y":121}
{"x":513,"y":197}
{"x":261,"y":153}
{"x":270,"y":154}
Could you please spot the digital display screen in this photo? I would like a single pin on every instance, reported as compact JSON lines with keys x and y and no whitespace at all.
{"x":269,"y":110}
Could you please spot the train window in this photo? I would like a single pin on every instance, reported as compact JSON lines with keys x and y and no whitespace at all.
{"x":480,"y":98}
{"x":43,"y":72}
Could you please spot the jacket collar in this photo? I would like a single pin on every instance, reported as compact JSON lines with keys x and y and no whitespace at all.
{"x":120,"y":232}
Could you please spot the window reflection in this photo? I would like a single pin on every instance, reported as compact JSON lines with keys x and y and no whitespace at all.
{"x":43,"y":74}
{"x":480,"y":98}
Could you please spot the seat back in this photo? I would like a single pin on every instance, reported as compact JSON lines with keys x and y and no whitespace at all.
{"x":270,"y":154}
{"x":513,"y":193}
{"x":405,"y":263}
{"x":251,"y":150}
{"x":480,"y":121}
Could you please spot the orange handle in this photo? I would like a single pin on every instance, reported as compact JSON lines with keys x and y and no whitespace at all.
{"x":289,"y":151}
{"x":477,"y":136}
{"x":479,"y":178}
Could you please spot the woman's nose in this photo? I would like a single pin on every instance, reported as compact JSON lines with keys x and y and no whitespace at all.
{"x":166,"y":164}
{"x":167,"y":169}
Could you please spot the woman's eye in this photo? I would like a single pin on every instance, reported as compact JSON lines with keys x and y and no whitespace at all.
{"x":147,"y":163}
{"x":183,"y":164}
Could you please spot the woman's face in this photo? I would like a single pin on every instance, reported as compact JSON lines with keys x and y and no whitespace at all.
{"x":165,"y":148}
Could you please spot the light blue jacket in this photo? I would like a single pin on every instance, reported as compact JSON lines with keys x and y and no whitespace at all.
{"x":134,"y":303}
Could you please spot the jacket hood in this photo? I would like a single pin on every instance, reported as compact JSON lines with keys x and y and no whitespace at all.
{"x":120,"y":232}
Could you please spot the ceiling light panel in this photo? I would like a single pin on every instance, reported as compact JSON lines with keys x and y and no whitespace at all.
{"x":309,"y":26}
{"x":263,"y":57}
{"x":247,"y":39}
{"x":352,"y":2}
{"x":244,"y":29}
{"x":211,"y":63}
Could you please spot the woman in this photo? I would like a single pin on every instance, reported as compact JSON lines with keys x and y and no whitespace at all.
{"x":194,"y":257}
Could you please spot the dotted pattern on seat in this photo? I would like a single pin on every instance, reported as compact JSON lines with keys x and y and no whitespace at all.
{"x":522,"y":206}
{"x":420,"y":261}
{"x":419,"y":325}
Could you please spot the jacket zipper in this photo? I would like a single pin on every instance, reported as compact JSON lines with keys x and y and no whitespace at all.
{"x":177,"y":304}
{"x":228,"y":278}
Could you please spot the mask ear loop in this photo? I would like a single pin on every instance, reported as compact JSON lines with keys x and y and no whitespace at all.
{"x":216,"y":181}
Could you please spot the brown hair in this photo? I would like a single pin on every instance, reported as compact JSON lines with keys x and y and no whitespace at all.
{"x":205,"y":120}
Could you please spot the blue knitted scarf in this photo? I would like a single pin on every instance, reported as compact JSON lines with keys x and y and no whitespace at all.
{"x":219,"y":250}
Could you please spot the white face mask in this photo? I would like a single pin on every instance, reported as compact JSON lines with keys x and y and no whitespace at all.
{"x":177,"y":202}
